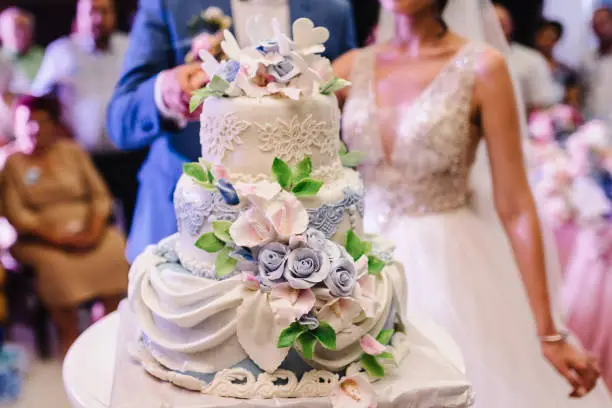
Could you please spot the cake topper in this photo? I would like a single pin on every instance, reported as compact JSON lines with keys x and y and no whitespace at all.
{"x":273,"y":65}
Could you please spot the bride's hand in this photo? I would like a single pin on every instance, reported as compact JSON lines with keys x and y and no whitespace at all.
{"x":579,"y":369}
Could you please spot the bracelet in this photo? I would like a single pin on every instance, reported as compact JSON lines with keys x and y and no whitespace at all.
{"x":555,"y":338}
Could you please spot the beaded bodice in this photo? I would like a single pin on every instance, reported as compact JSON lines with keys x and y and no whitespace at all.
{"x":429,"y":167}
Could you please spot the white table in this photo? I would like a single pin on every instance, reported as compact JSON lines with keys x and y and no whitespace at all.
{"x":90,"y":363}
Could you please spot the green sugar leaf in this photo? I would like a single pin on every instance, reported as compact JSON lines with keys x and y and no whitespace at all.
{"x":225,"y":264}
{"x":352,"y":159}
{"x":221,"y":230}
{"x":302,"y":170}
{"x":210,"y":243}
{"x":282,"y":172}
{"x":308,"y":341}
{"x":386,"y":356}
{"x":343,"y":149}
{"x":372,"y":366}
{"x":218,"y":85}
{"x":307,"y":188}
{"x":384,"y":337}
{"x":333,"y":85}
{"x":326,"y":335}
{"x":354,"y":246}
{"x":288,"y":336}
{"x":375,"y":265}
{"x":195,"y":171}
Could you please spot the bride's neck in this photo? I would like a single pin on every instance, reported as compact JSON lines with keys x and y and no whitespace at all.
{"x":412,"y":32}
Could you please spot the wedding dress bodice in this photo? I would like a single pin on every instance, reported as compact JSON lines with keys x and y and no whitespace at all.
{"x":429,"y":168}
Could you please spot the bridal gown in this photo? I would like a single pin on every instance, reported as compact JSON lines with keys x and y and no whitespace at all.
{"x":460,"y":271}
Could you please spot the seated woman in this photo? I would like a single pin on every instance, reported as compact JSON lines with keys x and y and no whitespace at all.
{"x":60,"y":208}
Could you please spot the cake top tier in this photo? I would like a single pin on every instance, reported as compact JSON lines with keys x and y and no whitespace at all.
{"x":273,"y":65}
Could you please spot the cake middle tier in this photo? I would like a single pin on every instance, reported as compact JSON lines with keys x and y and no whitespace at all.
{"x":337,"y":208}
{"x":246,"y":134}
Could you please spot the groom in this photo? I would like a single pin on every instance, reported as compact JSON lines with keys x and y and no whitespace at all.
{"x":150,"y":104}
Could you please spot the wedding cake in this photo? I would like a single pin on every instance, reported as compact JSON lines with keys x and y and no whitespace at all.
{"x":271,"y":288}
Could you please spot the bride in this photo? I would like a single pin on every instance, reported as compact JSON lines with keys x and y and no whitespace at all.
{"x":419,"y":106}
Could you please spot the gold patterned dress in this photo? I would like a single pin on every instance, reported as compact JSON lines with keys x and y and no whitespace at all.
{"x":59,"y":192}
{"x":460,"y":270}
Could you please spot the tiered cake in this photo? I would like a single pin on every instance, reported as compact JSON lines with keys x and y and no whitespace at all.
{"x":270,"y":289}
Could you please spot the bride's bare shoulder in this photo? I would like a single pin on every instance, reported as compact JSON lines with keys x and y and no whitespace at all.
{"x":491,"y":64}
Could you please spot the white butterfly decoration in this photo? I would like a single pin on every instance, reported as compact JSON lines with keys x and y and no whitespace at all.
{"x":293,"y":67}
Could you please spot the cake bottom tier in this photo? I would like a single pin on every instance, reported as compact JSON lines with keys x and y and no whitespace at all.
{"x":426,"y":378}
{"x":221,"y":337}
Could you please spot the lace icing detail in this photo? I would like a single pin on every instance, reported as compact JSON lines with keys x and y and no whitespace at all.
{"x":327,"y":174}
{"x":219,"y":133}
{"x":327,"y":217}
{"x":297,"y":139}
{"x":241,"y":383}
{"x":192,"y":209}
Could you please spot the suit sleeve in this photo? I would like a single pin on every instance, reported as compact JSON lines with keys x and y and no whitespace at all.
{"x":133,"y":119}
{"x":349,"y":36}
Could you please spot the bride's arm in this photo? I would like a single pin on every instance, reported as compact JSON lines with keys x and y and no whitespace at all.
{"x":494,"y":97}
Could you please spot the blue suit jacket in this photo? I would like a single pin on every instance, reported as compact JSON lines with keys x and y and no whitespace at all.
{"x":159,"y":41}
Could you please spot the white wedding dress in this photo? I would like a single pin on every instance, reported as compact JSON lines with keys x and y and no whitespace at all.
{"x":460,"y":270}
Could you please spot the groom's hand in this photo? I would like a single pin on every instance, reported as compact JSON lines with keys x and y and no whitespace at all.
{"x":177,"y":85}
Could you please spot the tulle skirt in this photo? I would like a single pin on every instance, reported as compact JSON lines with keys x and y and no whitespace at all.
{"x":462,"y":274}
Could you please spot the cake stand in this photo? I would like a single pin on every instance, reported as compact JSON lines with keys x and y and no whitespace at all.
{"x":94,"y":362}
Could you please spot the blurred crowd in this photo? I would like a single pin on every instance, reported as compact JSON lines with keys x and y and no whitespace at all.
{"x":68,"y":194}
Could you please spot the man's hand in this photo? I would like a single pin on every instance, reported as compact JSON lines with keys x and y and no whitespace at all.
{"x":177,"y":85}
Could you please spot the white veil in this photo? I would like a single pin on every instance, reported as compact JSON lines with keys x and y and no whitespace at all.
{"x":477,"y":21}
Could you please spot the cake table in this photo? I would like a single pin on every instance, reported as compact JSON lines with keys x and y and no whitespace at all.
{"x":99,"y":374}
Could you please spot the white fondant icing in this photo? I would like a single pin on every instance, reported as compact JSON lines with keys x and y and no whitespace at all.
{"x":241,"y":383}
{"x":204,"y":325}
{"x":268,"y":127}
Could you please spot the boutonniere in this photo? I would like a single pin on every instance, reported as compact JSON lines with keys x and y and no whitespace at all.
{"x":206,"y":31}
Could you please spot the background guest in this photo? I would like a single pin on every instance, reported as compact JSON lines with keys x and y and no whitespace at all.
{"x":596,"y":69}
{"x":59,"y":206}
{"x":546,"y":39}
{"x":531,"y":69}
{"x":17,"y":36}
{"x":84,"y":68}
{"x":6,"y":76}
{"x":151,"y":102}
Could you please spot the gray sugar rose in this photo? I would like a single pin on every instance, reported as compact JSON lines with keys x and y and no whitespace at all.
{"x":309,"y":321}
{"x":306,"y":267}
{"x":342,"y":278}
{"x":271,"y":262}
{"x":284,"y":71}
{"x":316,"y":240}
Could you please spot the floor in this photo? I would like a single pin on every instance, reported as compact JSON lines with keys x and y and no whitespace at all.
{"x":43,"y":383}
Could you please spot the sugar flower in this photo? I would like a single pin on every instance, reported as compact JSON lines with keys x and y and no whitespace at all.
{"x":306,"y":267}
{"x":354,"y":392}
{"x":290,"y":304}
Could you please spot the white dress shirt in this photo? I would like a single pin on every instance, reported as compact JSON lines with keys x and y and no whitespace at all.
{"x":242,"y":10}
{"x":538,"y":86}
{"x":267,"y":9}
{"x":596,"y":73}
{"x":86,"y":78}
